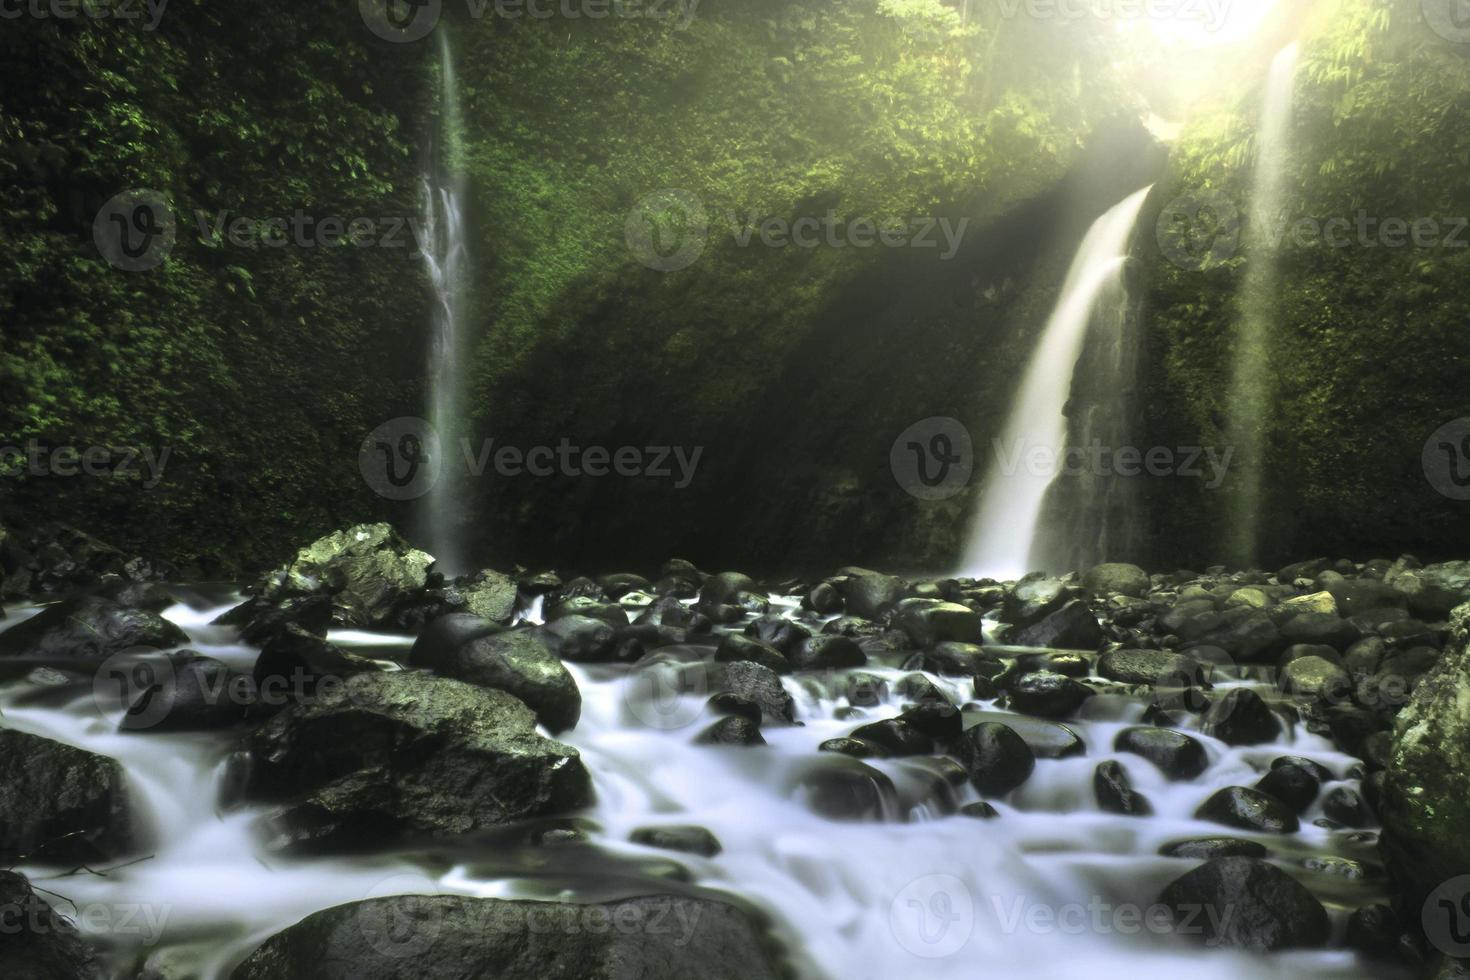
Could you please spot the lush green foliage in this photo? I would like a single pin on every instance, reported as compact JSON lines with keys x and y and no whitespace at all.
{"x":1369,"y":341}
{"x":257,"y":368}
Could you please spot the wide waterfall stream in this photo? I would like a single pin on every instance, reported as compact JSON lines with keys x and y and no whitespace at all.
{"x":1051,"y":887}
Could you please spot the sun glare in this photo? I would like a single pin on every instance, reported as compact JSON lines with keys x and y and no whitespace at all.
{"x":1197,"y":23}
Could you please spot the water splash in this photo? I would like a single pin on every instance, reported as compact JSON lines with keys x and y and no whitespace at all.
{"x":1005,"y":529}
{"x":1250,"y":390}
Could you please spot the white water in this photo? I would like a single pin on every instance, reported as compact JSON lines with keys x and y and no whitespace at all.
{"x":446,"y":260}
{"x":1005,"y":528}
{"x":918,"y":895}
{"x":1250,"y":397}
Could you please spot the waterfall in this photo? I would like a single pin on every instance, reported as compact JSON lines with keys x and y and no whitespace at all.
{"x":444,"y":254}
{"x":1250,"y":392}
{"x":1028,"y":456}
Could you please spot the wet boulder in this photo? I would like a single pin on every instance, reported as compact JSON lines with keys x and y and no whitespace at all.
{"x":869,"y":594}
{"x":1115,"y":794}
{"x":184,"y":692}
{"x":442,"y":637}
{"x":403,"y":754}
{"x":1116,"y":578}
{"x":827,"y":651}
{"x":522,"y":663}
{"x":1321,"y":629}
{"x":1072,"y":627}
{"x":580,"y":639}
{"x":1156,"y":668}
{"x":927,"y":622}
{"x":1240,"y":717}
{"x":685,"y":839}
{"x":823,"y":599}
{"x":1316,"y":677}
{"x":1248,"y":809}
{"x":838,"y":787}
{"x":1424,"y":807}
{"x":760,"y":685}
{"x":995,"y":757}
{"x":732,"y":730}
{"x":488,"y":594}
{"x":425,"y":937}
{"x":783,"y":634}
{"x":895,"y":738}
{"x":88,"y":629}
{"x":1295,"y":785}
{"x":735,"y":647}
{"x":60,"y":804}
{"x":367,"y":570}
{"x":1047,"y":695}
{"x":1245,"y":903}
{"x":36,"y":941}
{"x":1209,"y":848}
{"x":1177,"y":755}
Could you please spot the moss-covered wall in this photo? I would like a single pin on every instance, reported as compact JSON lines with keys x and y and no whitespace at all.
{"x":1369,"y":346}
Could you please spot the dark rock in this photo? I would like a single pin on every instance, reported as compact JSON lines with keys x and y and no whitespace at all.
{"x":1209,"y":848}
{"x":89,"y":629}
{"x":724,"y":589}
{"x":442,"y":637}
{"x":783,"y":634}
{"x":1047,"y":695}
{"x":487,"y":594}
{"x":1246,"y":903}
{"x":1362,"y":658}
{"x":1316,"y":677}
{"x":1240,"y":717}
{"x":841,"y":788}
{"x":979,"y":811}
{"x":895,"y":738}
{"x":295,"y":663}
{"x":1072,"y":627}
{"x":828,"y":652}
{"x":733,"y":730}
{"x":416,"y":937}
{"x":1248,"y":635}
{"x":1116,"y":579}
{"x":523,"y":663}
{"x":927,"y":622}
{"x":866,"y":690}
{"x":1035,"y":599}
{"x":1115,"y":794}
{"x":688,"y":840}
{"x":584,"y":607}
{"x":725,"y":703}
{"x":37,"y":942}
{"x":823,"y":599}
{"x":1374,"y":931}
{"x":367,"y":570}
{"x":1355,"y":597}
{"x":186,"y":692}
{"x":1318,"y":771}
{"x":1157,"y":668}
{"x":955,"y":660}
{"x":997,"y":759}
{"x":937,"y":720}
{"x":619,"y":584}
{"x":259,"y":619}
{"x":1176,"y":754}
{"x":868,"y":594}
{"x":1291,"y":784}
{"x":581,"y":639}
{"x":398,"y":754}
{"x":1347,"y":807}
{"x":61,"y":805}
{"x":760,"y":685}
{"x":1323,"y":629}
{"x":735,"y":647}
{"x":851,"y":747}
{"x":1248,"y":809}
{"x":1068,"y":663}
{"x":672,"y":612}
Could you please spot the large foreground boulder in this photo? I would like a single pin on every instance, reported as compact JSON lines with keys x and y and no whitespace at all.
{"x":36,"y":942}
{"x":60,"y":804}
{"x":417,"y":937}
{"x":367,"y":571}
{"x":1424,"y":807}
{"x":405,"y":754}
{"x":1245,"y":903}
{"x":88,"y":629}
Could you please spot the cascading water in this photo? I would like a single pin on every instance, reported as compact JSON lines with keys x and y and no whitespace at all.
{"x":1029,"y":453}
{"x":905,"y":888}
{"x":1250,"y":391}
{"x":445,"y":256}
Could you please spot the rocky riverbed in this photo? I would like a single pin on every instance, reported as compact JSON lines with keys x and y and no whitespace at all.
{"x":360,"y":769}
